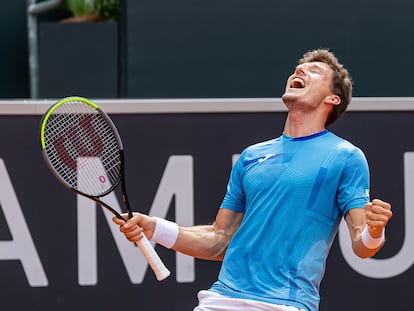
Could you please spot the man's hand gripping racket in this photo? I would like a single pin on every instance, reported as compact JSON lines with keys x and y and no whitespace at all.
{"x":84,"y":151}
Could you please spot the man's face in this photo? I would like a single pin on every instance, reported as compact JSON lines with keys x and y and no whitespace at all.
{"x":309,"y":84}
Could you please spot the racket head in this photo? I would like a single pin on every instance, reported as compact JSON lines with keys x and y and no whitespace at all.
{"x":82,"y":147}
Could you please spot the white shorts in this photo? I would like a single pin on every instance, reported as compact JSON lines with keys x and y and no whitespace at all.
{"x":211,"y":301}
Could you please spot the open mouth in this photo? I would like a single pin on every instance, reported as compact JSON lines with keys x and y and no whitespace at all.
{"x":297,"y":83}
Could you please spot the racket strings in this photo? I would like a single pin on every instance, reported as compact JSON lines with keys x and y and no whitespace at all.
{"x":83,"y":148}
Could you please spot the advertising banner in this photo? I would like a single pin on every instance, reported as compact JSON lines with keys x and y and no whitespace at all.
{"x":59,"y":251}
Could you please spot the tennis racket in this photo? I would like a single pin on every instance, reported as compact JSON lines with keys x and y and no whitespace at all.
{"x":83,"y":150}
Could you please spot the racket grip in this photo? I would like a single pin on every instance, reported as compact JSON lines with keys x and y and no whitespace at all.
{"x":155,"y":262}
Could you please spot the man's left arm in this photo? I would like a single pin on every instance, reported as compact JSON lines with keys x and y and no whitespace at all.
{"x":367,"y":227}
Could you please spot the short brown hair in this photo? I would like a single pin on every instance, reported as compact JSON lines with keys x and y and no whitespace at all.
{"x":341,"y":80}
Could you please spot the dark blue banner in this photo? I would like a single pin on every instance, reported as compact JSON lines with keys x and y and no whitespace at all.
{"x":61,"y":252}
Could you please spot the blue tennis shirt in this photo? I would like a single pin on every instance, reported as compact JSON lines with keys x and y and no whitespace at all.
{"x":293,"y":192}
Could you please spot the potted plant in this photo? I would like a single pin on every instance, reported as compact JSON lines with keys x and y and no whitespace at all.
{"x":79,"y":53}
{"x":92,"y":10}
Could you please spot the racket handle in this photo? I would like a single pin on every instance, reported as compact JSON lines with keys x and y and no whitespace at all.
{"x":155,"y":262}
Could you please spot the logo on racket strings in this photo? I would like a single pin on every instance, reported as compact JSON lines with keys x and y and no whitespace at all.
{"x":84,"y":141}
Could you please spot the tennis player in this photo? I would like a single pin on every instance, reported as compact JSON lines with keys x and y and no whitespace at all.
{"x":284,"y":201}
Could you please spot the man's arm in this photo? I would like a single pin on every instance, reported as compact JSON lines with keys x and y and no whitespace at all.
{"x":204,"y":242}
{"x":210,"y":241}
{"x":366,"y":226}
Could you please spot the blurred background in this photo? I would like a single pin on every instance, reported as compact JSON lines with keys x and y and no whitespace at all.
{"x":220,"y":55}
{"x":198,"y":49}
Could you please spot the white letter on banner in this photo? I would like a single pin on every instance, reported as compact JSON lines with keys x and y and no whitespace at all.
{"x":177,"y":181}
{"x":86,"y":220}
{"x":403,"y":260}
{"x":234,"y":158}
{"x":21,"y":247}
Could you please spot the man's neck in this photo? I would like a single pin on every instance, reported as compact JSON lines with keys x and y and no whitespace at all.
{"x":300,"y":125}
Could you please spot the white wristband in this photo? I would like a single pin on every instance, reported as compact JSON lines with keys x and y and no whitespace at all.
{"x":371,"y":242}
{"x":165,"y":232}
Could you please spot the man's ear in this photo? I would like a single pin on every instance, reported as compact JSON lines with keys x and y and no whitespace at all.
{"x":333,"y":100}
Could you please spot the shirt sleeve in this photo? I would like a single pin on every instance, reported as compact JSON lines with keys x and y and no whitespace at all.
{"x":235,"y":198}
{"x":353,"y":191}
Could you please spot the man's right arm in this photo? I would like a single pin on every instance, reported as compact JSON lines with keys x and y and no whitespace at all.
{"x":209,"y":241}
{"x":204,"y":242}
